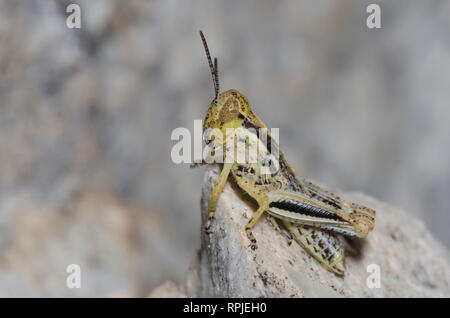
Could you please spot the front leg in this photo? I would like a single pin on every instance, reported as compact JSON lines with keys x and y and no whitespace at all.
{"x":261,"y":198}
{"x":220,"y":183}
{"x":263,"y":205}
{"x":255,"y":217}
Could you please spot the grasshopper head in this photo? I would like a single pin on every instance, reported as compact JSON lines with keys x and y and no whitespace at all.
{"x":228,"y":109}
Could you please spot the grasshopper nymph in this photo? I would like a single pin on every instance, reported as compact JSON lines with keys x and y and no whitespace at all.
{"x":310,"y":214}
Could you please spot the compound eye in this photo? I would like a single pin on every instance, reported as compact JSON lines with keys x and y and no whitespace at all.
{"x":230,"y":110}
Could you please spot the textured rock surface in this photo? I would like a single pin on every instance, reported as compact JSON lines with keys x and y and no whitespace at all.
{"x":168,"y":289}
{"x":412,"y":263}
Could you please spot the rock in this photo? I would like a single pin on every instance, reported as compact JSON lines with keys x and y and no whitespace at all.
{"x":168,"y":289}
{"x":411,"y":262}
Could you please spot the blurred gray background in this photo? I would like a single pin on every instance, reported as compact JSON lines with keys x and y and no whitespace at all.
{"x":86,"y":117}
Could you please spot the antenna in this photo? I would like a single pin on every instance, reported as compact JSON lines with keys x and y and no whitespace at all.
{"x":212,"y":67}
{"x":216,"y":86}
